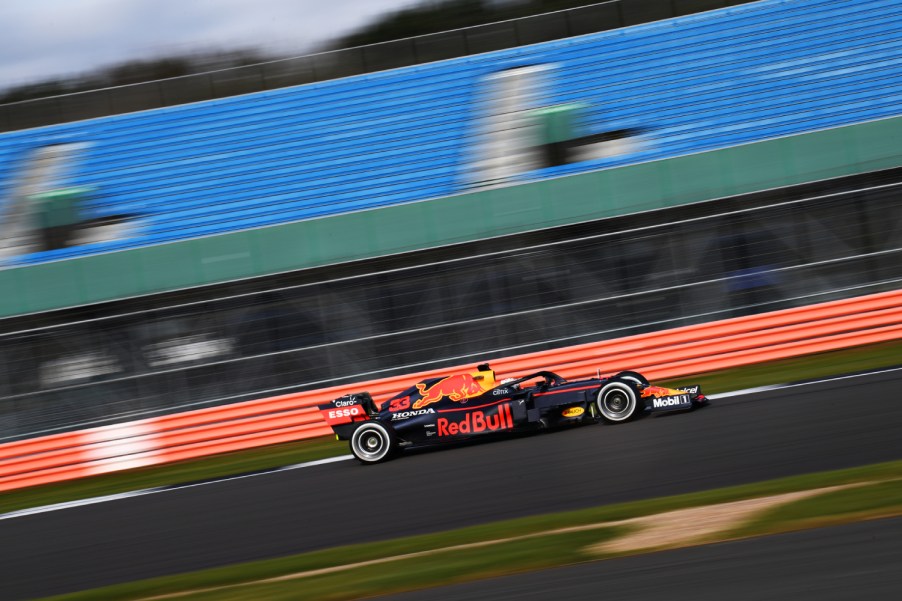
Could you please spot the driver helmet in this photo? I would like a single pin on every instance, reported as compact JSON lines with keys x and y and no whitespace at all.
{"x":507,"y":381}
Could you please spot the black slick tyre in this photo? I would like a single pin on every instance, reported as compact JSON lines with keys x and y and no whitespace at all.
{"x":373,"y":442}
{"x":617,"y":402}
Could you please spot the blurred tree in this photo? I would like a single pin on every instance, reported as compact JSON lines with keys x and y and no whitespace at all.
{"x":431,"y":16}
{"x":137,"y":71}
{"x":442,"y":15}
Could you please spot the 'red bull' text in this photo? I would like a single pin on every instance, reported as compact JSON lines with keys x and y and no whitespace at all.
{"x":477,"y":422}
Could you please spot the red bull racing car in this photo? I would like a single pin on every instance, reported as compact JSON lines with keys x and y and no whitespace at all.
{"x":468,"y":405}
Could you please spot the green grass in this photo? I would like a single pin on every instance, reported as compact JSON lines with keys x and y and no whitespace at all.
{"x":455,"y":566}
{"x":864,"y":502}
{"x":433,"y":570}
{"x":800,"y":368}
{"x":536,"y":547}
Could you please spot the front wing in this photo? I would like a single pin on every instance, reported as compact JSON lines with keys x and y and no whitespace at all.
{"x":661,"y":399}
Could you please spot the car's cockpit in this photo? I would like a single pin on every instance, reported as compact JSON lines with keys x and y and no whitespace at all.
{"x":539,"y":381}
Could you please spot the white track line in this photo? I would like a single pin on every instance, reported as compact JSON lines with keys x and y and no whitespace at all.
{"x":317,"y":462}
{"x":58,"y":506}
{"x":139,"y":493}
{"x":744,"y":391}
{"x":758,"y":389}
{"x":149,"y":491}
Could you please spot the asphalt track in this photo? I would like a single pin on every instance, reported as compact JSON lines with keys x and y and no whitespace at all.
{"x":853,"y":561}
{"x":736,"y":440}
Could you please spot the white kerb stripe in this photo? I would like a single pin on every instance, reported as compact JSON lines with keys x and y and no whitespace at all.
{"x":120,"y":447}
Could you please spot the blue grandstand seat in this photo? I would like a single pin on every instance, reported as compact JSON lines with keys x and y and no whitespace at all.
{"x":705,"y":81}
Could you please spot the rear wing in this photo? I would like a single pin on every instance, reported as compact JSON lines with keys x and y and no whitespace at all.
{"x":342,"y":413}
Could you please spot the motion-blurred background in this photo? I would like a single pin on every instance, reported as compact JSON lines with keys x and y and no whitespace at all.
{"x":455,"y":182}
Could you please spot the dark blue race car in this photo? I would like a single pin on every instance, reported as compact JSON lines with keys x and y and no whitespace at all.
{"x":468,"y":405}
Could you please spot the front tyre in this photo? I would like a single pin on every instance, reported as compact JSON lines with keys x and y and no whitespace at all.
{"x":633,"y":376}
{"x":373,"y":442}
{"x":617,"y":402}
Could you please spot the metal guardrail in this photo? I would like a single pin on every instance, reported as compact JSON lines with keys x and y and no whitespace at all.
{"x":667,"y":354}
{"x":343,"y":63}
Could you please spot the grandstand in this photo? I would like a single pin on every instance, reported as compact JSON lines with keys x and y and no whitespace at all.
{"x":692,"y":84}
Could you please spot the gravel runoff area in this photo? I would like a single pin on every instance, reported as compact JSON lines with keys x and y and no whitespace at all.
{"x":699,"y":524}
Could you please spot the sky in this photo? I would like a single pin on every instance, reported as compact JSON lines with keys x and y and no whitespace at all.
{"x":43,"y":39}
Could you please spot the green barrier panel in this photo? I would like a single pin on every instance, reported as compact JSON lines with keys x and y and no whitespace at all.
{"x":55,"y":215}
{"x":558,"y":123}
{"x":58,"y":208}
{"x":182,"y":267}
{"x":113,"y":275}
{"x":681,"y":180}
{"x":47,"y":286}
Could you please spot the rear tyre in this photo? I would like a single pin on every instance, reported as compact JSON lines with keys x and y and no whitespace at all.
{"x":617,"y":402}
{"x":373,"y":442}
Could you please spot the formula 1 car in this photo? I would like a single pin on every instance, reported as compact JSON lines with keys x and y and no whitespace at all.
{"x":468,"y":405}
